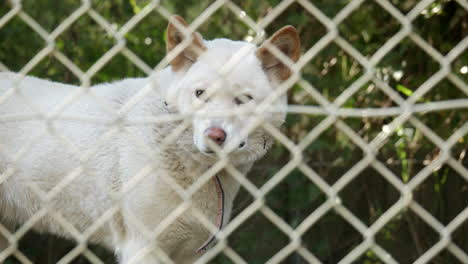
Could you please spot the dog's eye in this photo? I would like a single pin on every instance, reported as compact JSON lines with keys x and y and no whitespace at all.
{"x":198,"y":93}
{"x":245,"y":98}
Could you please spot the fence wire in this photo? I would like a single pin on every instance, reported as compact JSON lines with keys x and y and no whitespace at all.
{"x":332,"y":111}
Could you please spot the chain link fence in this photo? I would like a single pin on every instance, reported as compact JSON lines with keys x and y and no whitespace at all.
{"x":333,"y":114}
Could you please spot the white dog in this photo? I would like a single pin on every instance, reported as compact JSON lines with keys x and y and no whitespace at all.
{"x":117,"y":181}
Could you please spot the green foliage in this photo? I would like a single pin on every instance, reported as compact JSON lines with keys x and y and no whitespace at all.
{"x":331,"y":155}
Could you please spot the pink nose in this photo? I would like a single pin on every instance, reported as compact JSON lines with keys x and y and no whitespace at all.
{"x":216,"y":134}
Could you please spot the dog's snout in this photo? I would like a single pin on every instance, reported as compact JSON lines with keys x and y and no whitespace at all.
{"x":216,"y":134}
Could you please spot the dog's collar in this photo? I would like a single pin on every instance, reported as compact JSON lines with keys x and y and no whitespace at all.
{"x":219,"y":216}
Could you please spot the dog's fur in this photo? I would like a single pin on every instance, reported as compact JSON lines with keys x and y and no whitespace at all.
{"x":106,"y":161}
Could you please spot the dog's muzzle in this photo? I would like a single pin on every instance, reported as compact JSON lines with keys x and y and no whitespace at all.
{"x":216,"y":134}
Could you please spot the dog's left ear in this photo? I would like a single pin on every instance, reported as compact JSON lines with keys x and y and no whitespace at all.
{"x":285,"y":40}
{"x":175,"y":36}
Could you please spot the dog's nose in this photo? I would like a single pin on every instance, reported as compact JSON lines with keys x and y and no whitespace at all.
{"x":216,"y":134}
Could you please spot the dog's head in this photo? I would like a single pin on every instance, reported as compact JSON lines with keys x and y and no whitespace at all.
{"x":222,"y":83}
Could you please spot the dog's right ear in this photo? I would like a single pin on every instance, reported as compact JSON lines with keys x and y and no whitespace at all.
{"x":175,"y":36}
{"x":286,"y":40}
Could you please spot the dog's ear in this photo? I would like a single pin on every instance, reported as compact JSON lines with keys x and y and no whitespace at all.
{"x":175,"y":36}
{"x":285,"y":40}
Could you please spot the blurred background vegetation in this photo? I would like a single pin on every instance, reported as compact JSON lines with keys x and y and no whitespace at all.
{"x":444,"y":193}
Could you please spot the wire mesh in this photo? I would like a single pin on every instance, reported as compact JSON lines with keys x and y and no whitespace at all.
{"x":332,"y":111}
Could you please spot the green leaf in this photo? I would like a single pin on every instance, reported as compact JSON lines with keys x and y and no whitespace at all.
{"x":406,"y":91}
{"x":136,"y":8}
